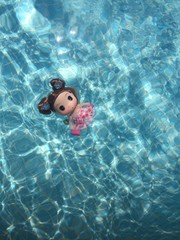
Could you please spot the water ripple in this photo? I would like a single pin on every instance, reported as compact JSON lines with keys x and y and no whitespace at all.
{"x":120,"y":178}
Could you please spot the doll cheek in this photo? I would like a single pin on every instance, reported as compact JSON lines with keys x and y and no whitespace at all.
{"x":67,"y":111}
{"x":60,"y":112}
{"x":63,"y":113}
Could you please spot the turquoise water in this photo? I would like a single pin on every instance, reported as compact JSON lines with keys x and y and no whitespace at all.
{"x":120,"y":179}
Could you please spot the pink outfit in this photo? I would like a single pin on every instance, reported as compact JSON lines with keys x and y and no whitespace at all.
{"x":83,"y":117}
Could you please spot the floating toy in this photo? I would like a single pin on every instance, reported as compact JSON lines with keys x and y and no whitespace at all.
{"x":64,"y":101}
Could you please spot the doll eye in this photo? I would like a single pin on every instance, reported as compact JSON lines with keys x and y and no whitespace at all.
{"x":70,"y":98}
{"x":62,"y":108}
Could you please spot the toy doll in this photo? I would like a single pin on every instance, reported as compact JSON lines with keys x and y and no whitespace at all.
{"x":64,"y":101}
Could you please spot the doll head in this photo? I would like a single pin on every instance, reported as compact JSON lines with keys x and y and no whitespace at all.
{"x":62,"y":100}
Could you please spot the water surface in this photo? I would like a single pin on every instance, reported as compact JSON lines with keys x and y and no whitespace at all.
{"x":120,"y":179}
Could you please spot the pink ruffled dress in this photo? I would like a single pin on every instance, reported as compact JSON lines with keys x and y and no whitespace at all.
{"x":83,"y":118}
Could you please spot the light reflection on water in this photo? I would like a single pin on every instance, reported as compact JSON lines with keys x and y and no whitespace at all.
{"x":120,"y":179}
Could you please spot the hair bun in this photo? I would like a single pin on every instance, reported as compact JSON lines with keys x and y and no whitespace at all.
{"x":57,"y":84}
{"x":44,"y":106}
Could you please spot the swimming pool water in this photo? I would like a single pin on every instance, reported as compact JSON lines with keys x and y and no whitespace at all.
{"x":120,"y":179}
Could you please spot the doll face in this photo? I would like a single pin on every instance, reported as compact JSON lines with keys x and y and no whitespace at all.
{"x":65,"y":103}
